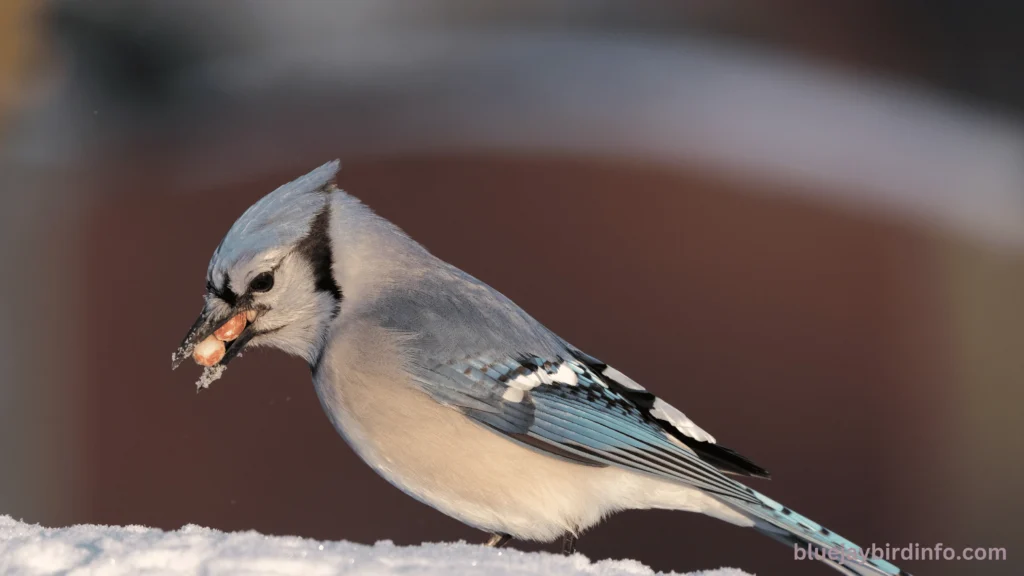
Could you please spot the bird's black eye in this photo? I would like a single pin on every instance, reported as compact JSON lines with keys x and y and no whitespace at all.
{"x":262,"y":282}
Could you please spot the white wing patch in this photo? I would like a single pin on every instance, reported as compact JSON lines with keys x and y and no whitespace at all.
{"x":521,"y":376}
{"x":523,"y":383}
{"x":622,"y":379}
{"x":662,"y":410}
{"x":565,"y":375}
{"x":513,"y":394}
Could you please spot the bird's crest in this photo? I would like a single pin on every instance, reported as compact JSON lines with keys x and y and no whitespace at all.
{"x":281,"y":218}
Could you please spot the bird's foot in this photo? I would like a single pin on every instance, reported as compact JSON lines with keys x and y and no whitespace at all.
{"x":569,"y":544}
{"x":498,"y":540}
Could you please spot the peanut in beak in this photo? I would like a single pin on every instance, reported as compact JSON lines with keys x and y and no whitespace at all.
{"x":211,"y":350}
{"x":232,"y":329}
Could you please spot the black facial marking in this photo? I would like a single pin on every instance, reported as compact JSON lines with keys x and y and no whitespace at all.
{"x":225,"y":292}
{"x":316,"y":249}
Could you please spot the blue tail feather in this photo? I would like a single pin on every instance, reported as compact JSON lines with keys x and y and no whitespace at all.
{"x":786,"y":526}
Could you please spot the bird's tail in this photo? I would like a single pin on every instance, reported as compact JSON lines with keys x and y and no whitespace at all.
{"x":810,"y":539}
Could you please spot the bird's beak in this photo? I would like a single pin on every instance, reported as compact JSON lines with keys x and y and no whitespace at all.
{"x":212,"y":319}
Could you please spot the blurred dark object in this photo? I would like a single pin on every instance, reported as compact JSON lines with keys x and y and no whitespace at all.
{"x":142,"y":52}
{"x":975,"y":47}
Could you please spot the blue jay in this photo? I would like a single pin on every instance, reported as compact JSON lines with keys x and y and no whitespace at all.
{"x":457,"y":396}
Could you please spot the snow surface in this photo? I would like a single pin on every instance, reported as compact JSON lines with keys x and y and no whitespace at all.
{"x":27,"y":549}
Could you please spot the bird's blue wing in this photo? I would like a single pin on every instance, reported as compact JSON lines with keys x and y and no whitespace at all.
{"x":580,"y":410}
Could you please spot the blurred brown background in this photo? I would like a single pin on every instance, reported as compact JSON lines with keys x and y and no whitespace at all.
{"x":804,"y":227}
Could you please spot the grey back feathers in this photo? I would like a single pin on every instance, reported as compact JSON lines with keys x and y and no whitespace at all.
{"x":454,"y":314}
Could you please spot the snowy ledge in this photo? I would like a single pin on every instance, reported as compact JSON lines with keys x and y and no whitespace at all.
{"x":27,"y":549}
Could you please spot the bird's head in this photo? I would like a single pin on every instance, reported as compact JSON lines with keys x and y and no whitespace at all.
{"x":271,"y":282}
